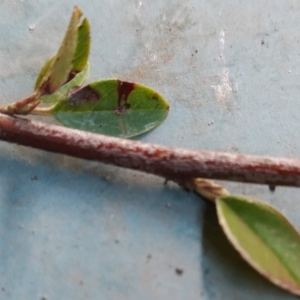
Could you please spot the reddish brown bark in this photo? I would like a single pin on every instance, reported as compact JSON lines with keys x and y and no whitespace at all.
{"x":171,"y":163}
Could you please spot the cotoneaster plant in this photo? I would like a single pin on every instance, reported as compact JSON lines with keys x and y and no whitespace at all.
{"x":101,"y":114}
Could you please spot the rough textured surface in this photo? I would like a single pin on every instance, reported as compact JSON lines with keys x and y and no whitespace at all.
{"x":171,"y":163}
{"x":76,"y":230}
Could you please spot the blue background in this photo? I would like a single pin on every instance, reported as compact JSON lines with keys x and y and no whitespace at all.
{"x":71,"y":229}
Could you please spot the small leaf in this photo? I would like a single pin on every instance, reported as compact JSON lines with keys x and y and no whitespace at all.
{"x":72,"y":57}
{"x":63,"y":92}
{"x":113,"y":107}
{"x":43,"y":72}
{"x":264,"y":238}
{"x":83,"y":47}
{"x":62,"y":64}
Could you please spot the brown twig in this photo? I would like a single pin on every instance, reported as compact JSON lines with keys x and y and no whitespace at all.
{"x":171,"y":163}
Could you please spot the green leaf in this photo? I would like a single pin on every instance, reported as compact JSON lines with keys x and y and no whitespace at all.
{"x":264,"y":238}
{"x":113,"y":107}
{"x":62,"y":64}
{"x":43,"y":72}
{"x":67,"y":88}
{"x":70,"y":59}
{"x":83,"y":47}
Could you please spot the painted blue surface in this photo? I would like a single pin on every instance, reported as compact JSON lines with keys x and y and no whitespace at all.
{"x":71,"y":229}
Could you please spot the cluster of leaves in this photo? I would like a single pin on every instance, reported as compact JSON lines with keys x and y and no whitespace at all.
{"x":264,"y":237}
{"x":111,"y":107}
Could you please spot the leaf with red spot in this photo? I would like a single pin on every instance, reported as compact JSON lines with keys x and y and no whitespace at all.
{"x":113,"y":107}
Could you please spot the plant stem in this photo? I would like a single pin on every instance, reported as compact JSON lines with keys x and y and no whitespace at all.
{"x":42,"y":111}
{"x":23,"y":106}
{"x":171,"y":163}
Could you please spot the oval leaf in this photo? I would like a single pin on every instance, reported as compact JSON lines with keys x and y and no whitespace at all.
{"x":264,"y":238}
{"x":113,"y":107}
{"x":67,"y":88}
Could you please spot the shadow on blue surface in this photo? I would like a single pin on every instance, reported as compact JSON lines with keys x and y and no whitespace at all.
{"x":77,"y":233}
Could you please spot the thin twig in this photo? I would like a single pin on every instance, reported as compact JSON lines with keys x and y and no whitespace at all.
{"x":171,"y":163}
{"x":42,"y":111}
{"x":23,"y":106}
